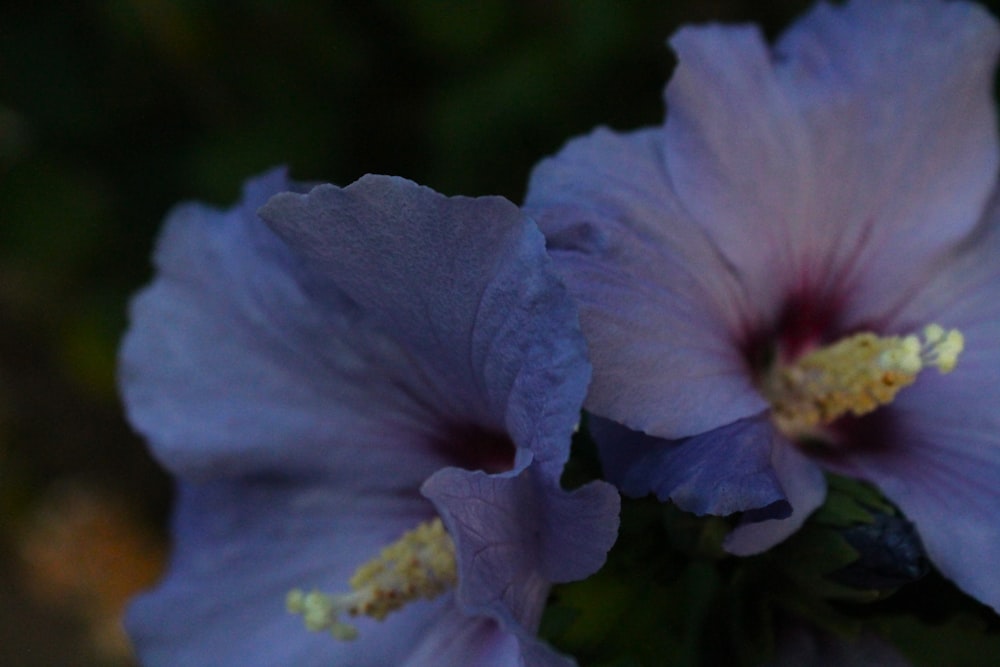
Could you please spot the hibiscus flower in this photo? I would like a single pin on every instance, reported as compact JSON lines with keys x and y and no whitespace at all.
{"x":377,"y":385}
{"x":797,"y":272}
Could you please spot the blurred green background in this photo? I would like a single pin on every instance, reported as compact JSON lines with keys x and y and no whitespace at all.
{"x":111,"y":112}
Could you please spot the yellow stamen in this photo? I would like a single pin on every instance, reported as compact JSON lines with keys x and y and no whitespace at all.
{"x":420,"y":564}
{"x":855,"y":375}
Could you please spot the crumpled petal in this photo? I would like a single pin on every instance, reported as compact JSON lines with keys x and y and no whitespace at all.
{"x":517,"y":533}
{"x":721,"y":472}
{"x":805,"y":490}
{"x":240,"y":546}
{"x":658,"y":304}
{"x":463,"y":285}
{"x":848,"y":159}
{"x":270,"y":359}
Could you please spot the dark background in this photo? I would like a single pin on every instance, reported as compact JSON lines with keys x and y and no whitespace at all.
{"x":111,"y":112}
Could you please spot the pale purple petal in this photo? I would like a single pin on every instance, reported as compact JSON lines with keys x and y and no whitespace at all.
{"x":241,"y":358}
{"x":242,"y":545}
{"x":457,"y":639}
{"x":461,"y":641}
{"x":661,"y":311}
{"x":805,"y":489}
{"x":941,"y":468}
{"x":464,"y":286}
{"x":935,"y":451}
{"x":229,"y":367}
{"x":845,"y":161}
{"x":517,"y":533}
{"x":721,"y":472}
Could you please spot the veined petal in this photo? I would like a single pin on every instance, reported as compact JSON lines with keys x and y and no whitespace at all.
{"x":229,"y":367}
{"x":660,"y":307}
{"x":459,"y":640}
{"x":721,"y":472}
{"x":464,"y":286}
{"x":517,"y":533}
{"x":242,"y":545}
{"x":245,"y":355}
{"x":805,"y":489}
{"x":847,"y":159}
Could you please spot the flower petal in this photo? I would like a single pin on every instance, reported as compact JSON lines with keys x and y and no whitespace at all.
{"x":805,"y":489}
{"x":721,"y":472}
{"x":845,"y":161}
{"x":458,"y":640}
{"x":659,"y":306}
{"x":941,"y":468}
{"x":242,"y":545}
{"x":228,"y":367}
{"x":464,"y":286}
{"x":240,"y":358}
{"x":517,"y":533}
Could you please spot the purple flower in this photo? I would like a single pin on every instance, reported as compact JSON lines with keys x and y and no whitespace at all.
{"x":830,"y":189}
{"x":370,"y":359}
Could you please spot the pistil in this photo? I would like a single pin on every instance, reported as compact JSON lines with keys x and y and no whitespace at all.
{"x":421,"y":564}
{"x":855,"y":375}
